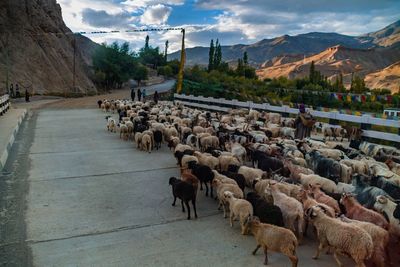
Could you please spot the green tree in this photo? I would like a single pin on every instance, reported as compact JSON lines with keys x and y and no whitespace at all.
{"x":217,"y":55}
{"x":311,"y":75}
{"x":250,"y":73}
{"x":113,"y":64}
{"x":240,"y":67}
{"x":166,"y":51}
{"x":245,"y":59}
{"x":140,"y":74}
{"x":151,"y":56}
{"x":358,"y":85}
{"x":146,"y":44}
{"x":211,"y":56}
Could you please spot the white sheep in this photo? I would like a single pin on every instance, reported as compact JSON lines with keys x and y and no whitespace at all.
{"x":220,"y":188}
{"x":344,"y":238}
{"x":111,"y":125}
{"x":385,"y":205}
{"x":224,"y":179}
{"x":292,"y":209}
{"x":250,"y":174}
{"x":225,"y":161}
{"x":271,"y":237}
{"x":314,"y":179}
{"x":146,"y":143}
{"x":186,"y":159}
{"x":207,"y":159}
{"x":380,"y":239}
{"x":238,"y":208}
{"x":138,"y":139}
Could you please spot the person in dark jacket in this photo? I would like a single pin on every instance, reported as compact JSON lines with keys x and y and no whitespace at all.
{"x":17,"y":93}
{"x":26,"y":95}
{"x":156,"y":97}
{"x":12,"y":91}
{"x":303,"y":123}
{"x":139,"y":94}
{"x":144,"y":95}
{"x":122,"y":114}
{"x":133,"y":94}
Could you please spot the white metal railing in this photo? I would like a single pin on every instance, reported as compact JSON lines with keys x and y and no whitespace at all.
{"x":4,"y":104}
{"x":223,"y":105}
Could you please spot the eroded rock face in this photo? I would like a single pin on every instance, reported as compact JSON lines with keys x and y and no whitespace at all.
{"x":41,"y":48}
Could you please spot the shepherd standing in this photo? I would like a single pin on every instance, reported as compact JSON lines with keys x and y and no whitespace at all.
{"x":303,"y":123}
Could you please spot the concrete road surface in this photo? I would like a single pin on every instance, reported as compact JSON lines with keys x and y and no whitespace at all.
{"x":95,"y":200}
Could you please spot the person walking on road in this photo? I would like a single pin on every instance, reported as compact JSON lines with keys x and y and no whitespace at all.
{"x":12,"y":91}
{"x":133,"y":94}
{"x":17,"y":93}
{"x":26,"y":95}
{"x":139,"y":94}
{"x":144,"y":95}
{"x":156,"y":97}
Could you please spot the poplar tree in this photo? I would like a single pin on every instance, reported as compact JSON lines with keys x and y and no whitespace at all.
{"x":245,"y":59}
{"x":211,"y":56}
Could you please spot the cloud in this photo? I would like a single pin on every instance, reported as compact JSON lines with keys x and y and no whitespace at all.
{"x":232,"y":21}
{"x":100,"y":18}
{"x":269,"y":18}
{"x":137,"y":5}
{"x":155,"y":15}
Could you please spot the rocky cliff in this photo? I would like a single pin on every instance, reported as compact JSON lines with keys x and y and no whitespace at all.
{"x":38,"y":48}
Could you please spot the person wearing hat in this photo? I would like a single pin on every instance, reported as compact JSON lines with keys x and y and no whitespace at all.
{"x":303,"y":123}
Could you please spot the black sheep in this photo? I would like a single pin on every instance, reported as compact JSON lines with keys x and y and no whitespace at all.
{"x":233,"y":168}
{"x":267,"y":213}
{"x":158,"y":136}
{"x":239,"y":178}
{"x":396,"y":212}
{"x":185,"y":192}
{"x":366,"y":194}
{"x":204,"y":174}
{"x":270,"y":164}
{"x":179,"y":155}
{"x":323,"y":166}
{"x":389,"y":187}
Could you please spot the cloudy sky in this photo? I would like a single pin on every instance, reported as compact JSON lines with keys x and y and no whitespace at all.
{"x":232,"y":21}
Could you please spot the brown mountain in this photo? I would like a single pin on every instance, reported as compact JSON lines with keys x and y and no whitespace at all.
{"x":302,"y":44}
{"x":388,"y":36}
{"x":40,"y":48}
{"x":335,"y":60}
{"x":388,"y":78}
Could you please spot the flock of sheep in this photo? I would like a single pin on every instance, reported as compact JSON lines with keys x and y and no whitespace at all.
{"x":346,"y":194}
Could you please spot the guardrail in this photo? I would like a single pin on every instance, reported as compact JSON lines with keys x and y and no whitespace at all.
{"x":224,"y":105}
{"x":4,"y":104}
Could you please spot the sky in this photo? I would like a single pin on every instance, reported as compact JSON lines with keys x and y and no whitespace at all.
{"x":232,"y":21}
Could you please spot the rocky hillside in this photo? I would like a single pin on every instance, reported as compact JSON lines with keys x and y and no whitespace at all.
{"x":388,"y":36}
{"x":40,"y":48}
{"x":388,"y":78}
{"x":302,"y":44}
{"x":335,"y":60}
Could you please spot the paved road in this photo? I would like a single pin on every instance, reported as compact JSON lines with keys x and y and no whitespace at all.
{"x":162,"y":87}
{"x":94,"y":200}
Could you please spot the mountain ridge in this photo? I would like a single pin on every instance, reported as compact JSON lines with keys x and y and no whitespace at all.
{"x":305,"y":43}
